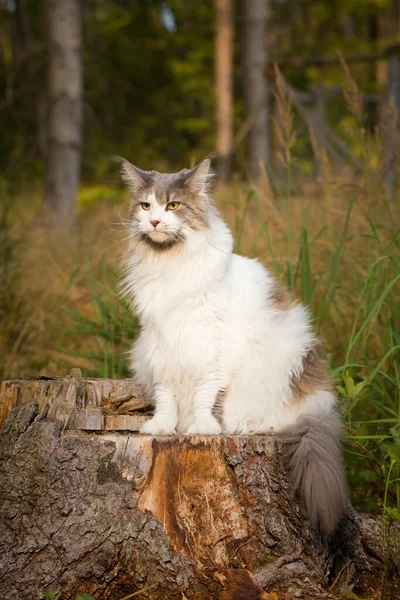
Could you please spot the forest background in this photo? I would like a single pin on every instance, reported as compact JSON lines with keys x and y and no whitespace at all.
{"x":300,"y":97}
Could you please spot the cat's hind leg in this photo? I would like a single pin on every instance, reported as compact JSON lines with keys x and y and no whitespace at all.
{"x":165,"y":417}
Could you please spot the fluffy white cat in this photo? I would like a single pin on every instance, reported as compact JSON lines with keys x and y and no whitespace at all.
{"x":222,"y":349}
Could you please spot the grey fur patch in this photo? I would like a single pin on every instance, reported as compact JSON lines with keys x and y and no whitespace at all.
{"x":313,"y":376}
{"x":279,"y":297}
{"x":219,"y":405}
{"x":194,"y":206}
{"x":136,"y":179}
{"x":313,"y":459}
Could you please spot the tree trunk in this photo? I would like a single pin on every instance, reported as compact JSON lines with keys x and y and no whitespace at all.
{"x":223,"y":86}
{"x":64,"y":106}
{"x":85,"y":508}
{"x":255,"y":81}
{"x":388,"y":74}
{"x":391,"y":127}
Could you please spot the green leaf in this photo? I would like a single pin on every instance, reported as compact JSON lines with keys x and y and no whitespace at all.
{"x":394,"y":452}
{"x":50,"y":594}
{"x":360,"y":386}
{"x":349,"y":383}
{"x":396,"y":434}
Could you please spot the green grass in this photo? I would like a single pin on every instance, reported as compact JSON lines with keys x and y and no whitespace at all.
{"x":109,"y":330}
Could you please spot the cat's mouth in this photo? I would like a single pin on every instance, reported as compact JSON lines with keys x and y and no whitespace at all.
{"x":161,"y":240}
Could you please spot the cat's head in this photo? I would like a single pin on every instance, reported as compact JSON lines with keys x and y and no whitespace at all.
{"x":167,"y":208}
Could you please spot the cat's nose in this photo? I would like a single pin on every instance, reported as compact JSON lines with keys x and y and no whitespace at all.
{"x":154,"y":223}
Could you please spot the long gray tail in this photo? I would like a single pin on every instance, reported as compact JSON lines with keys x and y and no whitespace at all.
{"x":313,"y":458}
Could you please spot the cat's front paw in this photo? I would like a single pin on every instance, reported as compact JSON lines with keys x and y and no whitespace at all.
{"x":208,"y":426}
{"x":157,"y":427}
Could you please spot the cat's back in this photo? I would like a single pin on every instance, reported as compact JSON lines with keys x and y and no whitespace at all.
{"x":263,"y":311}
{"x":251,"y":284}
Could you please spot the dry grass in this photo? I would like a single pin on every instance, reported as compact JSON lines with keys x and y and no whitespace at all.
{"x":40,"y":276}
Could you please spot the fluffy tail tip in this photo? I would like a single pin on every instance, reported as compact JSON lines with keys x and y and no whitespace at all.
{"x":313,"y":458}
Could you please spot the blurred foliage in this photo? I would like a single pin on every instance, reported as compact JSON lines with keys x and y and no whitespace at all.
{"x":147,"y":92}
{"x":148,"y":74}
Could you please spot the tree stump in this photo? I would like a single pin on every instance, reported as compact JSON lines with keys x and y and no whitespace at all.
{"x":89,"y":505}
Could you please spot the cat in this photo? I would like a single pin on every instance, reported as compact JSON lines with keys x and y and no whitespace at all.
{"x":222,"y":349}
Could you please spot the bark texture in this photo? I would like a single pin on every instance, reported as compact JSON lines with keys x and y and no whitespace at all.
{"x":255,"y":13}
{"x":64,"y":105}
{"x":224,"y":85}
{"x":80,"y":403}
{"x":113,"y":512}
{"x":391,"y":125}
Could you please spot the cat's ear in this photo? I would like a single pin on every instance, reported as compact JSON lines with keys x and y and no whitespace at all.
{"x":198,"y":178}
{"x":134,"y":177}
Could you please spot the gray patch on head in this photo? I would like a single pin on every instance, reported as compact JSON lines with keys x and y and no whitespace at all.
{"x":182,"y":187}
{"x":166,"y":184}
{"x":313,"y":458}
{"x":194,"y":209}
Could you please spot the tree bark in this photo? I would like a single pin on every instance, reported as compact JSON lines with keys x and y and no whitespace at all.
{"x":223,"y":86}
{"x":80,"y":403}
{"x":391,"y":125}
{"x":388,"y":76}
{"x":113,"y":512}
{"x":64,"y":106}
{"x":255,"y":81}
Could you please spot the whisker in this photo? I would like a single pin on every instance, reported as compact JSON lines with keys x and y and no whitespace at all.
{"x":117,"y":211}
{"x":108,"y":247}
{"x":121,"y":221}
{"x":116,"y":230}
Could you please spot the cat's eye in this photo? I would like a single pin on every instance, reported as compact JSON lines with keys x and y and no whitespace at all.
{"x":173,"y":205}
{"x":145,"y":205}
